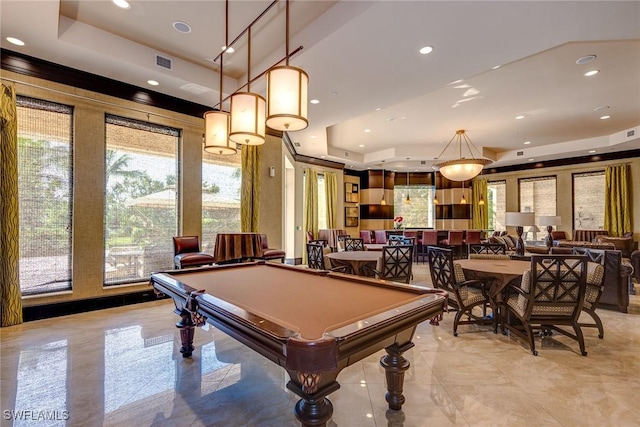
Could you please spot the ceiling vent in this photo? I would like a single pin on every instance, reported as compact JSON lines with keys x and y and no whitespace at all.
{"x":346,"y":154}
{"x":520,"y":153}
{"x":631,"y":133}
{"x":297,"y":144}
{"x":423,"y":162}
{"x":164,"y":62}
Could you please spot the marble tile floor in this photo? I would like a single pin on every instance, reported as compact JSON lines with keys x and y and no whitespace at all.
{"x":122,"y":367}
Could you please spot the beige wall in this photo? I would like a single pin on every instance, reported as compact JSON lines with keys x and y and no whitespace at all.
{"x":563,"y":174}
{"x":88,"y":175}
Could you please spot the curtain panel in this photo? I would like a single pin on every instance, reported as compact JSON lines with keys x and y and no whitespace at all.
{"x":331,"y":191}
{"x":250,"y":189}
{"x":11,"y":307}
{"x":480,"y":211}
{"x":310,"y":222}
{"x":617,"y":200}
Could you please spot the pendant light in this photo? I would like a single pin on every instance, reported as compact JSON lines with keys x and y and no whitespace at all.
{"x":248,"y":112}
{"x":287,"y":89}
{"x":408,"y":199}
{"x":216,"y":123}
{"x":462,"y":168}
{"x":463,"y":200}
{"x":383,"y":201}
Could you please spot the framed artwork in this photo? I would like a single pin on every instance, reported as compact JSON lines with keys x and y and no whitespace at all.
{"x":351,"y":216}
{"x":351,"y":194}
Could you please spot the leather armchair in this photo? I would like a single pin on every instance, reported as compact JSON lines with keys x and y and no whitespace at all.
{"x":186,"y":253}
{"x":635,"y":264}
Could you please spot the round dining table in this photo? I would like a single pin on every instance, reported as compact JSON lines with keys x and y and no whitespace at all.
{"x":356,"y":261}
{"x":496,"y":273}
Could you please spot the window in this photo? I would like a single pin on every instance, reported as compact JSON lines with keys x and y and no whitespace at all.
{"x":538,"y":195}
{"x":322,"y":203}
{"x":420,"y":213}
{"x":588,"y":200}
{"x":141,"y":199}
{"x":221,"y":181}
{"x":45,"y":189}
{"x":497,"y":204}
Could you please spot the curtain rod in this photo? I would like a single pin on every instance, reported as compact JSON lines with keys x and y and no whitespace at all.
{"x":85,"y":98}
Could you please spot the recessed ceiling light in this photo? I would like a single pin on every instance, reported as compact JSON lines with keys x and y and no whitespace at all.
{"x":605,"y":117}
{"x":527,"y":142}
{"x":531,"y":160}
{"x":378,"y":109}
{"x":313,"y":136}
{"x":496,"y":67}
{"x":361,"y":145}
{"x":15,"y":41}
{"x":314,"y":101}
{"x":592,"y":151}
{"x":123,"y":4}
{"x":367,"y":130}
{"x":225,"y":50}
{"x":601,"y":108}
{"x":426,"y":50}
{"x":153,"y":82}
{"x":519,"y":117}
{"x":585,"y":59}
{"x":591,"y":73}
{"x":323,"y":157}
{"x":181,"y":27}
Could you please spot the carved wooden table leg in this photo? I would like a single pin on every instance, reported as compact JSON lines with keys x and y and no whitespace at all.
{"x":187,"y":329}
{"x":395,"y":366}
{"x":313,"y":410}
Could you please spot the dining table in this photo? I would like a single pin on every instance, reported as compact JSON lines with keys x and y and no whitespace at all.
{"x":361,"y":263}
{"x":496,"y":274}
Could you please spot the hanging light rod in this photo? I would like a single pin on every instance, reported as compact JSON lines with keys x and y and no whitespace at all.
{"x":258,"y":76}
{"x":245,"y":30}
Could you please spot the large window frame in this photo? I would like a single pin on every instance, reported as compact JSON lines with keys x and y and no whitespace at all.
{"x":142,"y":193}
{"x":45,"y":188}
{"x":588,"y":202}
{"x":497,"y":204}
{"x":420,"y":212}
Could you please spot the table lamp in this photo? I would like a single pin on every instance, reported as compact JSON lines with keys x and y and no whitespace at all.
{"x":520,"y":220}
{"x":549,"y":221}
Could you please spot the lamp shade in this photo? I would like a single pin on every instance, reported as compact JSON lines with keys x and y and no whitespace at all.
{"x":519,"y":219}
{"x":216,"y":133}
{"x":287,"y":89}
{"x":247,"y":118}
{"x":461,"y":169}
{"x":549,"y":220}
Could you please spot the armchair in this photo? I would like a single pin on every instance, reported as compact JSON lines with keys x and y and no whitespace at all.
{"x":550,"y":296}
{"x":464,"y":294}
{"x":397,"y":261}
{"x":186,"y":253}
{"x":270,"y":253}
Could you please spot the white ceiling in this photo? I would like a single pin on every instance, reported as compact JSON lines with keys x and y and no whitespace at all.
{"x":364,"y":67}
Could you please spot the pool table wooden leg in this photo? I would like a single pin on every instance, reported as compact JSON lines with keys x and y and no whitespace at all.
{"x":187,"y":330}
{"x":395,"y":365}
{"x":313,"y":410}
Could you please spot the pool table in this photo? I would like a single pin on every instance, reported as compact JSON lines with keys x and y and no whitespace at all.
{"x":312,"y":323}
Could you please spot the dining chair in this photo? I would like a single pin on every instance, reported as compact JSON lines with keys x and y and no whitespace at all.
{"x":595,"y":287}
{"x":486,"y":249}
{"x":186,"y":253}
{"x":549,"y":298}
{"x":412,"y":234}
{"x":353,"y":244}
{"x":429,"y":238}
{"x":472,"y":237}
{"x":380,"y":236}
{"x":365,"y":235}
{"x":396,"y":264}
{"x":464,"y":295}
{"x":316,"y":257}
{"x":454,"y":241}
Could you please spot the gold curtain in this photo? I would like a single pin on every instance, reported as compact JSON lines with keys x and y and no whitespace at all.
{"x":310,"y":222}
{"x":480,"y":212}
{"x":250,"y":188}
{"x":11,"y":306}
{"x":331,"y":191}
{"x":617,"y":200}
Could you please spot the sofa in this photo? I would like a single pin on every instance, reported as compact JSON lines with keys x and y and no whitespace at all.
{"x":617,"y":274}
{"x":624,"y":244}
{"x":581,"y":238}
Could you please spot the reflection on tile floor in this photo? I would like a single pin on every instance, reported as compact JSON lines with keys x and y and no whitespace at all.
{"x":122,"y":367}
